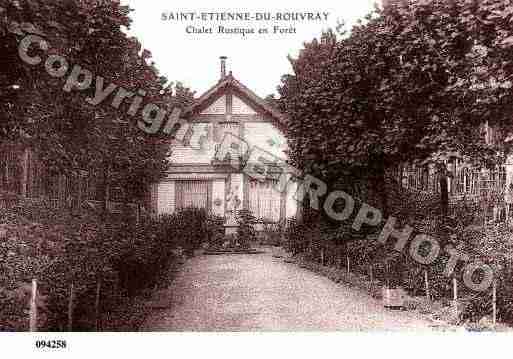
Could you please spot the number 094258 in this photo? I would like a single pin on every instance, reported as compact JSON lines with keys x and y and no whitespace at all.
{"x":50,"y":344}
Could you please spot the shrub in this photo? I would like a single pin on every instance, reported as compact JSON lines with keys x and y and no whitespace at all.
{"x":273,"y":233}
{"x":463,"y":228}
{"x":246,"y":233}
{"x":58,"y":248}
{"x":189,"y":228}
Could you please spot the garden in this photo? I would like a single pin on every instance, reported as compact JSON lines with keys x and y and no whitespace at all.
{"x":361,"y":261}
{"x":86,"y":267}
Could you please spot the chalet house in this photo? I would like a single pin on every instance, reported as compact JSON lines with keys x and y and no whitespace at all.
{"x":196,"y":179}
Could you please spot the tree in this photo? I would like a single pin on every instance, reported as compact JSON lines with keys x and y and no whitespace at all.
{"x":414,"y":82}
{"x":68,"y":132}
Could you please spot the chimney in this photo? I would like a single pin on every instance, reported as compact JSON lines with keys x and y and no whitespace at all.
{"x":223,"y":66}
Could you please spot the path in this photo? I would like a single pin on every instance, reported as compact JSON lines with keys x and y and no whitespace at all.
{"x":262,"y":293}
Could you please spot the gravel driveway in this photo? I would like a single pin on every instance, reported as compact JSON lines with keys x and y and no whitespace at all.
{"x":262,"y":293}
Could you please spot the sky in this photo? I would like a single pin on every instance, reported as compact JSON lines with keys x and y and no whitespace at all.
{"x":257,"y":60}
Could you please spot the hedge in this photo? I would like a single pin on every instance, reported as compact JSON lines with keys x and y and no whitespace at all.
{"x":59,"y":248}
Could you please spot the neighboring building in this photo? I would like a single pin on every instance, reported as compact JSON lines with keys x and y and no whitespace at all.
{"x":196,"y":179}
{"x":24,"y":175}
{"x":491,"y":188}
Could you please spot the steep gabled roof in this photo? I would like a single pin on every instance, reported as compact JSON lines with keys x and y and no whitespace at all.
{"x":230,"y":81}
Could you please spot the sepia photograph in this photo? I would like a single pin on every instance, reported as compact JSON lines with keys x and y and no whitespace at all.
{"x":313,"y":172}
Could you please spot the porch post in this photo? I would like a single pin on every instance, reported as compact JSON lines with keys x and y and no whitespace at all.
{"x":245,"y":199}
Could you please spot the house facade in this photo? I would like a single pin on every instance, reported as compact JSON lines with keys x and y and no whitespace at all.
{"x":197,"y":179}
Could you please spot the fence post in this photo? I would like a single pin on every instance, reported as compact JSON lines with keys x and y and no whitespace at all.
{"x":371,"y":274}
{"x":455,"y":297}
{"x":426,"y":282}
{"x":348,"y":265}
{"x":455,"y":289}
{"x":322,"y":256}
{"x":33,"y":307}
{"x":494,"y":302}
{"x":70,"y":308}
{"x":97,"y":304}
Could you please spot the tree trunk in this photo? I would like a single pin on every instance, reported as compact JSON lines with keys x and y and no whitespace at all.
{"x":444,"y":192}
{"x":25,"y":173}
{"x":80,"y":190}
{"x":105,"y":191}
{"x":127,"y":210}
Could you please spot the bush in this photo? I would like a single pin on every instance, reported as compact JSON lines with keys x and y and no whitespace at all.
{"x":58,"y":248}
{"x":191,"y":227}
{"x":295,"y":236}
{"x":272,"y":233}
{"x":463,"y":228}
{"x":246,"y":233}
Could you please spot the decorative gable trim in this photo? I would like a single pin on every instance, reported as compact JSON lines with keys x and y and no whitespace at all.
{"x":228,"y":86}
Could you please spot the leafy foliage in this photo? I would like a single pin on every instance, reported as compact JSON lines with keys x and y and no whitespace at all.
{"x":67,"y":132}
{"x":58,"y":249}
{"x":192,"y":227}
{"x":416,"y":82}
{"x":246,"y":233}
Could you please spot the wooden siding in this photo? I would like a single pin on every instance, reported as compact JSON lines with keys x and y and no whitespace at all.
{"x":218,"y":194}
{"x":218,"y":107}
{"x":263,"y":135}
{"x":181,"y":154}
{"x":266,"y":136}
{"x":239,"y":107}
{"x":187,"y":155}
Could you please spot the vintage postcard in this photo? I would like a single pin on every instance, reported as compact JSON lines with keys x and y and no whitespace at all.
{"x":338,"y":168}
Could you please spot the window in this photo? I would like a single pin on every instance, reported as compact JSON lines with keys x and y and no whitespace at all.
{"x":460,"y":181}
{"x":226,"y":127}
{"x":10,"y":170}
{"x":264,"y":200}
{"x":468,"y":181}
{"x":195,"y":194}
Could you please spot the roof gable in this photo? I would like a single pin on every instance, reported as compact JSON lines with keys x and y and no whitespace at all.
{"x":240,"y":107}
{"x":218,"y":107}
{"x":247,"y":98}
